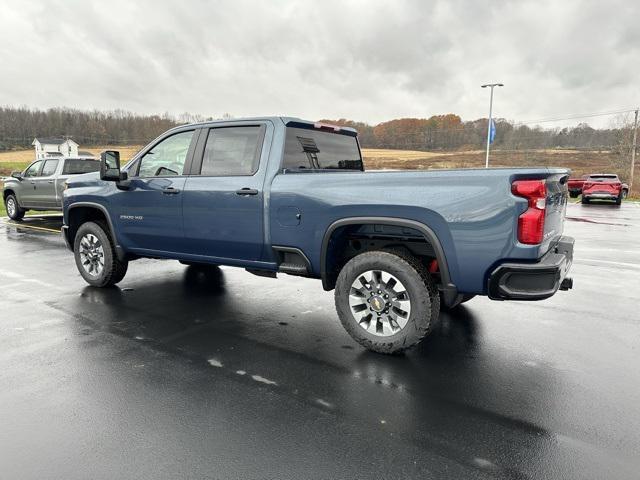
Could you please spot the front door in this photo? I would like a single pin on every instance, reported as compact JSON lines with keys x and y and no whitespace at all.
{"x":149,"y":212}
{"x":27,"y":193}
{"x":223,"y":212}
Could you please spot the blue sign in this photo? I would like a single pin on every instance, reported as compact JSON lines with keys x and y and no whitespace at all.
{"x":492,"y":131}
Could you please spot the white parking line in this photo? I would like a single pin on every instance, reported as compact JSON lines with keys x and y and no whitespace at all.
{"x":608,"y":262}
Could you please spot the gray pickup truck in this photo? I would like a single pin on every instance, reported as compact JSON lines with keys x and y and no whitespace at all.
{"x":40,"y":185}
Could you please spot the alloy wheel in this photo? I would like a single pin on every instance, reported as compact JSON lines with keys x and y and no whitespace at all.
{"x":380,"y":303}
{"x":91,"y":254}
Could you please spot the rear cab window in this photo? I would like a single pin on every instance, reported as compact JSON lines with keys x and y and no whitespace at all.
{"x":76,"y":166}
{"x":321,"y":149}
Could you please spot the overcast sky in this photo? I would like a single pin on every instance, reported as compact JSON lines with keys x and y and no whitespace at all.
{"x":365,"y":60}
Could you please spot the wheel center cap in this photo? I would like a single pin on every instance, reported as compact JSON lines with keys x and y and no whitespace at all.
{"x":377,"y":303}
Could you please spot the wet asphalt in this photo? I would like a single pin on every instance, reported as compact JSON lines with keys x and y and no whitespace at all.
{"x":177,"y":374}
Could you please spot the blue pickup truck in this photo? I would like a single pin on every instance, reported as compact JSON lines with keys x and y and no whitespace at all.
{"x":283,"y":195}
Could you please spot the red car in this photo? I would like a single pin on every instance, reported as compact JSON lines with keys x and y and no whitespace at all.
{"x":604,"y":186}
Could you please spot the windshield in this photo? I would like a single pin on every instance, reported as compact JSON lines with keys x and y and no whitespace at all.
{"x":318,"y":150}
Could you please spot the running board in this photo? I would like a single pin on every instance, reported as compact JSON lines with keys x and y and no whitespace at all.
{"x":292,"y":260}
{"x":293,"y":269}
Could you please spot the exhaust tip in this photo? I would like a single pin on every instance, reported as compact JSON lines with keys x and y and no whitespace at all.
{"x":567,"y":284}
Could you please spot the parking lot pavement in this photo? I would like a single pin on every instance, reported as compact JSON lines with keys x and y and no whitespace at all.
{"x":181,"y":375}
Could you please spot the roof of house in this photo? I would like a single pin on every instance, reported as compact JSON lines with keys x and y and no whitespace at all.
{"x":51,"y":141}
{"x":85,"y":153}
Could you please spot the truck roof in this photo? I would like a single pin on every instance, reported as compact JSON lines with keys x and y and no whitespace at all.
{"x":286,"y":120}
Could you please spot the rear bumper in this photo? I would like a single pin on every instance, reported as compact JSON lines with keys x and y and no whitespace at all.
{"x":534,"y":281}
{"x":601,"y":195}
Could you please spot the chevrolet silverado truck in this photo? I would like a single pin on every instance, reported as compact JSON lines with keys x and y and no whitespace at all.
{"x":604,"y":186}
{"x":40,"y":185}
{"x":281,"y":195}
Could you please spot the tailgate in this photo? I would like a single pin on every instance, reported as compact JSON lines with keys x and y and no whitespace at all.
{"x":556,"y":207}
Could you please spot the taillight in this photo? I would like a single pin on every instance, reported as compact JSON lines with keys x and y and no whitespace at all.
{"x":531,"y":222}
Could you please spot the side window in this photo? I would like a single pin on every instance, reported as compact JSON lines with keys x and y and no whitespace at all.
{"x":167,"y":158}
{"x":232,"y":151}
{"x":49,"y":168}
{"x":32,"y":171}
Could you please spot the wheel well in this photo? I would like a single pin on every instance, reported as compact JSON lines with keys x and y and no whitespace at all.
{"x":345,"y":242}
{"x":80,"y":215}
{"x":6,"y":193}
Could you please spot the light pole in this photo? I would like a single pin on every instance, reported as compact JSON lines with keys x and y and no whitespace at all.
{"x":492,"y":86}
{"x":633,"y":151}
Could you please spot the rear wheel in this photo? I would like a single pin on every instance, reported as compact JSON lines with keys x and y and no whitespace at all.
{"x":386,"y":300}
{"x":624,"y":194}
{"x":95,"y":256}
{"x":14,"y":211}
{"x":585,"y":201}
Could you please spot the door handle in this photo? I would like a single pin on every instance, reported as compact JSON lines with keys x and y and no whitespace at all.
{"x":170,"y":191}
{"x":32,"y":182}
{"x":247,"y":191}
{"x":50,"y":181}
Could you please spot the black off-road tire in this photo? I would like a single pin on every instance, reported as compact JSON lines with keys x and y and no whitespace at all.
{"x":619,"y":199}
{"x":585,"y":201}
{"x":15,"y":213}
{"x":114,"y":270}
{"x":574,"y":194}
{"x":423,"y":293}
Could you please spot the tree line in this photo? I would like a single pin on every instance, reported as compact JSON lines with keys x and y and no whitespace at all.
{"x":20,"y":125}
{"x":449,"y":132}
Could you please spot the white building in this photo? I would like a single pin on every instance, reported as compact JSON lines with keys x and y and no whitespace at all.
{"x":55,"y":147}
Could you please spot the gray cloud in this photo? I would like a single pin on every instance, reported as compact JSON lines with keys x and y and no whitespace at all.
{"x":358,"y":59}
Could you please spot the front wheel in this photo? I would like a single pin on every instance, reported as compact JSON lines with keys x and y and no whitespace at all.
{"x":96,"y":257}
{"x":386,"y":300}
{"x":14,"y":211}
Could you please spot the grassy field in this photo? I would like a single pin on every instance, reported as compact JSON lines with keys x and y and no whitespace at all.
{"x":579,"y":161}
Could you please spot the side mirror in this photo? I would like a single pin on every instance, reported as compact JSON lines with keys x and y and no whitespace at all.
{"x":110,"y":166}
{"x":17,"y":175}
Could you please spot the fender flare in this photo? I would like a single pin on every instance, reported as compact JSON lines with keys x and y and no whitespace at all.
{"x":119,"y":250}
{"x":449,"y":290}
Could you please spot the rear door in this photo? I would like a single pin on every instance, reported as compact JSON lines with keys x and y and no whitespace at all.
{"x":148,"y":213}
{"x":223,"y":199}
{"x":45,"y":192}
